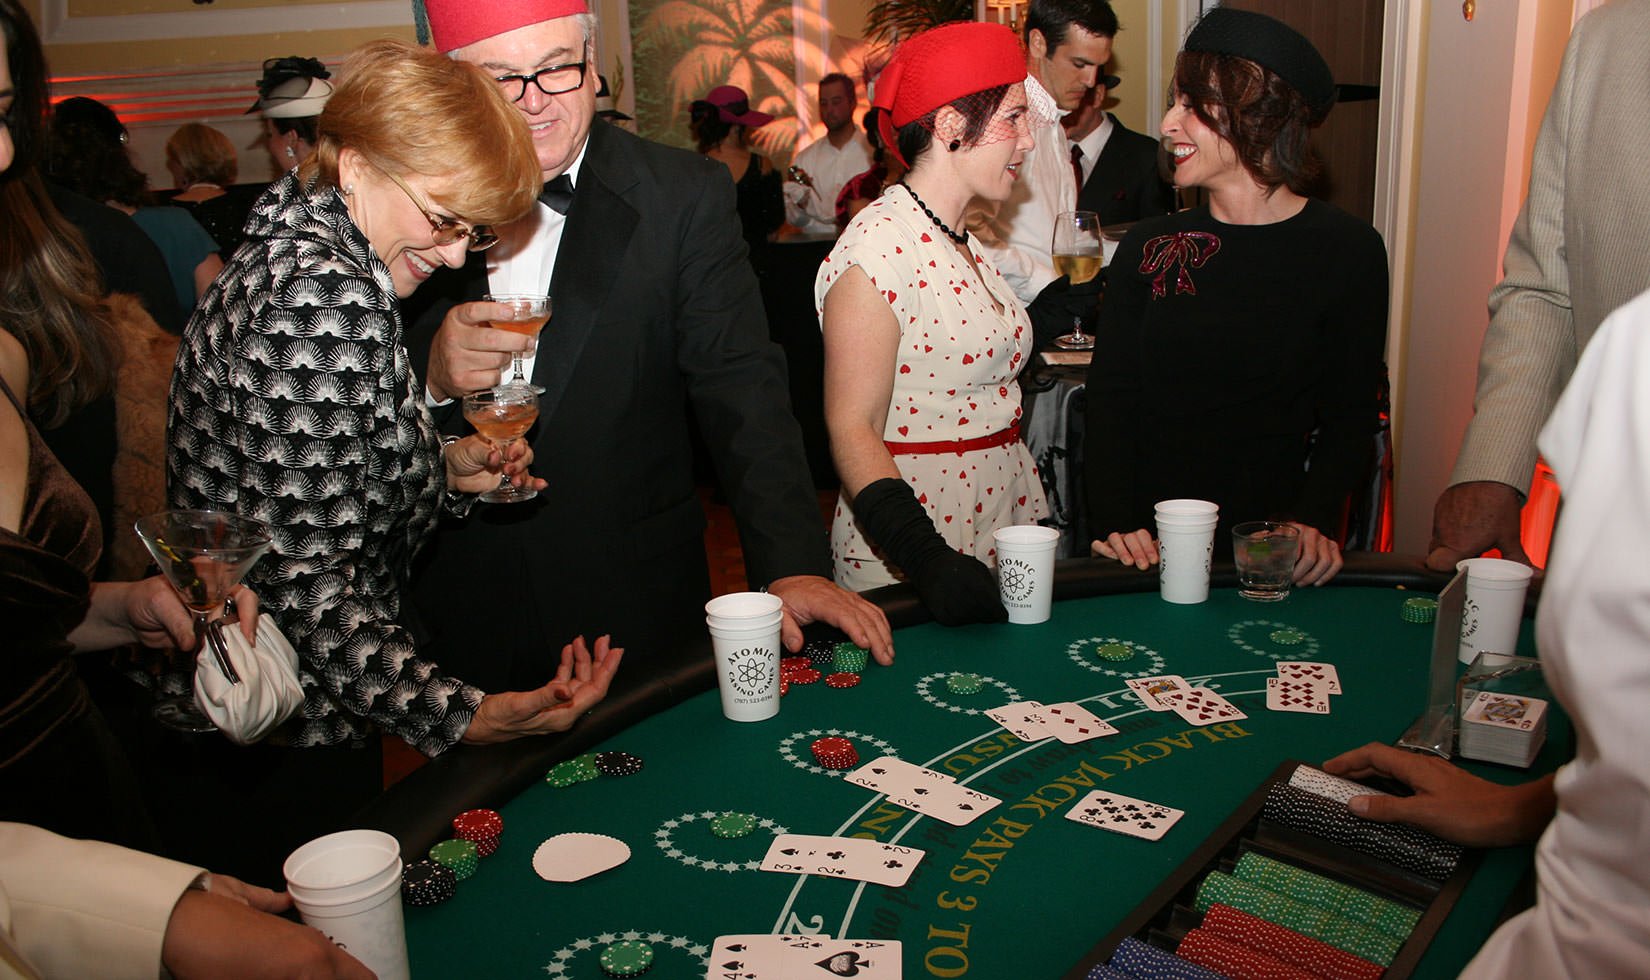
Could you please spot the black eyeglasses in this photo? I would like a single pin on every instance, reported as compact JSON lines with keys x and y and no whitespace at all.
{"x":447,"y":230}
{"x":555,"y":80}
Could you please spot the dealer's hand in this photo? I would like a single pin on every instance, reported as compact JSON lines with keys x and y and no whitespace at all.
{"x":1448,"y":800}
{"x":815,"y":599}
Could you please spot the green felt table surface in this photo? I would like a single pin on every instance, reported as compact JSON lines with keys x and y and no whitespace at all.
{"x":1021,"y":892}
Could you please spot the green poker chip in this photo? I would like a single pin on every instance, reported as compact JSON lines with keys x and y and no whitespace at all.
{"x":1288,"y":636}
{"x":581,"y":769}
{"x":964,"y":683}
{"x":1115,"y":652}
{"x":1420,"y":609}
{"x":627,"y":958}
{"x":848,"y":659}
{"x":732,"y":825}
{"x":457,"y":856}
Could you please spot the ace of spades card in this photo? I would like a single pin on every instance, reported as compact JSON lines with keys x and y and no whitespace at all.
{"x":767,"y":957}
{"x":1125,"y":815}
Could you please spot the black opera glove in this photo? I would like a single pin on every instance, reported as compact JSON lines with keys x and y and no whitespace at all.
{"x":957,"y":588}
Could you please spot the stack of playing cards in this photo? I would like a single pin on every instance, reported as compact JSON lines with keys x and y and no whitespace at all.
{"x":1196,"y":705}
{"x":1302,"y":686}
{"x":1505,"y":728}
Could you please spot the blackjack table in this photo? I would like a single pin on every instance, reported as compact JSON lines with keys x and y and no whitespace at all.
{"x":1020,"y":892}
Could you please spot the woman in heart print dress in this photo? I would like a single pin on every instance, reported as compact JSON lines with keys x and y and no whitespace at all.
{"x":923,"y":338}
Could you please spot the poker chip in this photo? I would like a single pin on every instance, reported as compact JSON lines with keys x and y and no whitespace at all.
{"x":459,"y":856}
{"x":1347,"y":901}
{"x":819,"y":652}
{"x":427,"y":883}
{"x":1115,"y":652}
{"x":964,"y":684}
{"x":580,"y":769}
{"x":1409,"y":848}
{"x":1230,"y":959}
{"x":843,"y":679}
{"x":1139,"y":959}
{"x":618,"y":764}
{"x":733,"y":825}
{"x":802,"y":675}
{"x":835,"y":752}
{"x":484,"y":828}
{"x":792,"y":663}
{"x":1420,"y":609}
{"x":627,"y":958}
{"x":1290,"y":947}
{"x":849,"y":659}
{"x":1288,"y":636}
{"x":1352,"y":937}
{"x":784,"y":687}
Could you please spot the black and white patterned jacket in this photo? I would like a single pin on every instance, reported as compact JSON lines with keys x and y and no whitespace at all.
{"x":293,"y":401}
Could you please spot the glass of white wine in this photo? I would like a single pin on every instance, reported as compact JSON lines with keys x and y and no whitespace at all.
{"x":1077,"y":255}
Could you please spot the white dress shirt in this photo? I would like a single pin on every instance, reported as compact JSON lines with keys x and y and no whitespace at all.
{"x":813,"y":209}
{"x":1025,"y":223}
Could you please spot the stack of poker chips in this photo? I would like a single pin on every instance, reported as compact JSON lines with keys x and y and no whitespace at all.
{"x":1329,"y":818}
{"x":458,"y":856}
{"x":1278,"y":943}
{"x":835,"y":752}
{"x":1420,"y":609}
{"x":427,"y":883}
{"x":1230,"y":959}
{"x":592,"y":765}
{"x":1134,"y":958}
{"x":1362,"y":941}
{"x":484,"y":828}
{"x":1505,"y":728}
{"x":1392,"y":918}
{"x":964,"y":683}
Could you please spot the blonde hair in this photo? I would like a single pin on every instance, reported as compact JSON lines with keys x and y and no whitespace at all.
{"x":411,"y":110}
{"x":201,"y":153}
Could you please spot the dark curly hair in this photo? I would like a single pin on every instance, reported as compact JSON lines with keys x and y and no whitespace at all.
{"x":916,"y":136}
{"x":87,"y":154}
{"x":1266,"y":119}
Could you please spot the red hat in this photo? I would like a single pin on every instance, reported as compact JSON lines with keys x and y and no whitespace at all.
{"x":734,"y":106}
{"x":460,"y":23}
{"x":944,"y":64}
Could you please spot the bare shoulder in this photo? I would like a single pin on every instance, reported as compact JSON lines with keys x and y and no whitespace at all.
{"x":14,"y":364}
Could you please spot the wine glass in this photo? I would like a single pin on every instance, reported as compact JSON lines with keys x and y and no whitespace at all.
{"x":502,"y":415}
{"x":204,"y":554}
{"x":1077,"y":255}
{"x":528,"y":314}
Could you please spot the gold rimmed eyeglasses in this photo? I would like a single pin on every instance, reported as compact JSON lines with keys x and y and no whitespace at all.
{"x":448,"y":230}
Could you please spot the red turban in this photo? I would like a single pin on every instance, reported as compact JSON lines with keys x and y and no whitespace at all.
{"x":460,"y":23}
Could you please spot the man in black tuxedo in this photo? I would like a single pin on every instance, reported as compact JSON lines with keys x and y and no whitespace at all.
{"x":1121,"y":180}
{"x":654,"y":309}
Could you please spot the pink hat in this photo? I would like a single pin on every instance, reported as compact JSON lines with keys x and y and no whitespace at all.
{"x":460,"y":23}
{"x":734,"y":106}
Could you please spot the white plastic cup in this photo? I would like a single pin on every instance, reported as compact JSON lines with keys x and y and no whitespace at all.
{"x":744,"y":634}
{"x":1186,"y":507}
{"x":348,"y":886}
{"x":1184,"y":558}
{"x":1025,"y":571}
{"x":1494,"y":608}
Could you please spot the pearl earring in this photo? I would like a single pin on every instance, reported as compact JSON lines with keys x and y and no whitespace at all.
{"x":349,"y":190}
{"x":291,"y":154}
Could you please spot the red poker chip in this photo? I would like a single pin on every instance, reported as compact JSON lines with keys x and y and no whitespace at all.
{"x":803,"y":675}
{"x":835,"y":752}
{"x":791,"y":663}
{"x":843,"y":679}
{"x":784,"y":687}
{"x":481,"y":821}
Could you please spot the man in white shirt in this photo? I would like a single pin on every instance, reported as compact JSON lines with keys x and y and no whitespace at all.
{"x":1068,"y":42}
{"x":827,"y":163}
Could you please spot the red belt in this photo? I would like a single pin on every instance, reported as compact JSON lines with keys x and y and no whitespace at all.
{"x":958,"y":446}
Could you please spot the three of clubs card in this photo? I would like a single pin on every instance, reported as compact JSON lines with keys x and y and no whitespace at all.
{"x":765,"y":957}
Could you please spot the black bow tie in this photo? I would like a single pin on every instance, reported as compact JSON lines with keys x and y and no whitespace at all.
{"x":558,"y":194}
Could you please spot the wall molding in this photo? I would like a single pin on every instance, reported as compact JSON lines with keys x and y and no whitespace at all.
{"x":58,"y":26}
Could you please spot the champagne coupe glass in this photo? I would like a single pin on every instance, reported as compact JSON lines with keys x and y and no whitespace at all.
{"x":1077,"y":254}
{"x":528,"y":314}
{"x":204,"y":554}
{"x":502,"y":415}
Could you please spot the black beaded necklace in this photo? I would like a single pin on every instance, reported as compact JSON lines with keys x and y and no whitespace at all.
{"x":959,"y":239}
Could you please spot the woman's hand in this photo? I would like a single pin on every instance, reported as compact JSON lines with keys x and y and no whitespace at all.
{"x":1319,"y":559}
{"x":1134,"y":548}
{"x":473,"y":465}
{"x":578,"y":686}
{"x":150,"y":612}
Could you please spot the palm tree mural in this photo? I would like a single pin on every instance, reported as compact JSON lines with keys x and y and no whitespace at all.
{"x":706,"y":43}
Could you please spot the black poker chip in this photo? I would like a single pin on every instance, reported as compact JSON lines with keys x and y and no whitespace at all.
{"x":1410,"y":848}
{"x":618,"y":763}
{"x":427,"y":883}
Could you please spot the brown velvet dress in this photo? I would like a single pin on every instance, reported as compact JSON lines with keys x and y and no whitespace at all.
{"x":59,"y":766}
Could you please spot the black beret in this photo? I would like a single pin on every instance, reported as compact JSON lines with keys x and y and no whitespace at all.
{"x":1271,"y":44}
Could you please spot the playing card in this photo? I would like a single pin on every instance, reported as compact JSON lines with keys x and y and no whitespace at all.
{"x":1201,"y":706}
{"x":1073,"y":723}
{"x":1302,"y":696}
{"x":1509,"y":711}
{"x":917,"y":790}
{"x":1154,"y":692}
{"x":1024,"y":718}
{"x":892,"y":770}
{"x":766,"y":957}
{"x":842,"y":857}
{"x":1320,"y":783}
{"x":1125,"y":815}
{"x":1305,"y":670}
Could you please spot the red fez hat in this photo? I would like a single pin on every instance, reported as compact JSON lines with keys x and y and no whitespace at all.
{"x":460,"y":23}
{"x":944,"y":64}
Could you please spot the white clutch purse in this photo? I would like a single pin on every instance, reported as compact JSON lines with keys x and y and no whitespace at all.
{"x":269,"y":692}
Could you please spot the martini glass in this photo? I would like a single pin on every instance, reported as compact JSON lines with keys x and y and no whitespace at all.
{"x":204,"y":554}
{"x":528,"y":314}
{"x":1077,"y":255}
{"x":502,"y":415}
